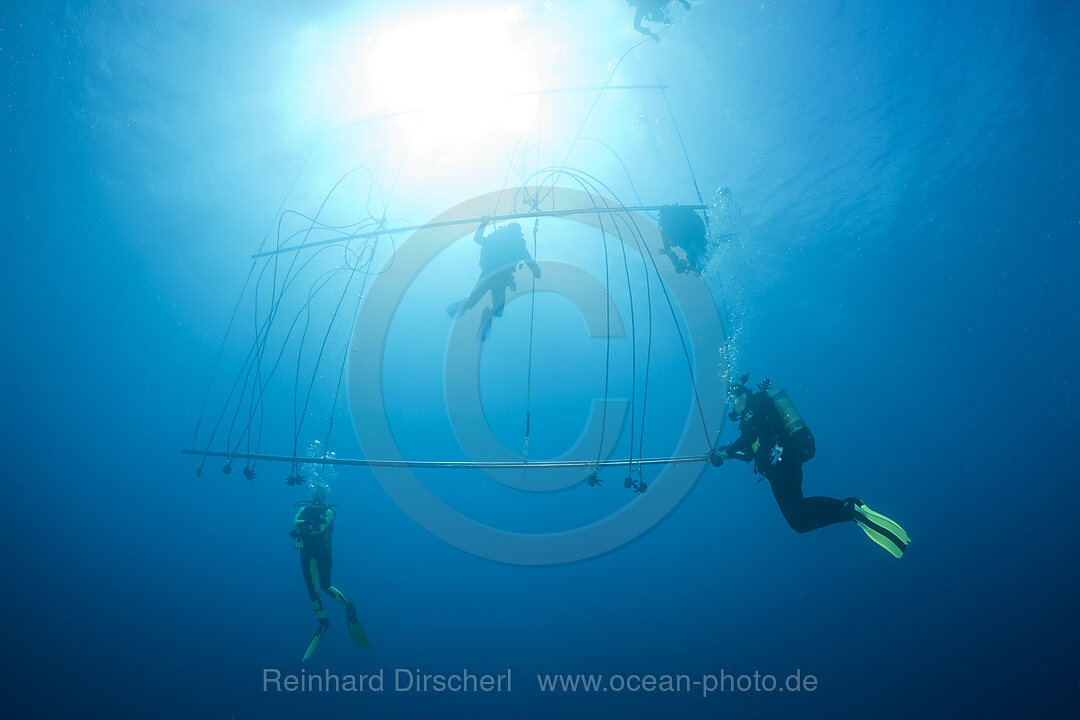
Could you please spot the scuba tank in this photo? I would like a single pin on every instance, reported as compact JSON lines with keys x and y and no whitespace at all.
{"x":683,"y":228}
{"x":800,"y":441}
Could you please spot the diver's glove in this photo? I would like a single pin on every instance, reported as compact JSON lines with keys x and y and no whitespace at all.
{"x":306,"y":528}
{"x":718,"y":456}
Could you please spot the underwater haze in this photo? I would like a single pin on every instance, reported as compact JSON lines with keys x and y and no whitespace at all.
{"x":890,"y":231}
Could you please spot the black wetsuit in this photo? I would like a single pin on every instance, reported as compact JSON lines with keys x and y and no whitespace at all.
{"x":761,"y":434}
{"x":500,"y":254}
{"x":315,"y":528}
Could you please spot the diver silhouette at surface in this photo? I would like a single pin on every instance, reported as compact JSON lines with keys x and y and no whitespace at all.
{"x":501,"y":253}
{"x":652,"y":11}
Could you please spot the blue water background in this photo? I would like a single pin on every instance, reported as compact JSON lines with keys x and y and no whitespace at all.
{"x":903,"y":259}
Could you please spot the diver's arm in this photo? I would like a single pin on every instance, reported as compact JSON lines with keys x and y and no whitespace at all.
{"x":314,"y":527}
{"x":298,"y":524}
{"x":478,"y":237}
{"x":328,"y":517}
{"x":744,"y":455}
{"x":528,"y":260}
{"x":305,"y":526}
{"x":741,"y":448}
{"x":724,"y":452}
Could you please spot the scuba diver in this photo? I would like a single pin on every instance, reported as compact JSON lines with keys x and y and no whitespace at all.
{"x":774,"y":437}
{"x":681,"y":227}
{"x":314,"y":526}
{"x":653,"y":11}
{"x":501,"y":254}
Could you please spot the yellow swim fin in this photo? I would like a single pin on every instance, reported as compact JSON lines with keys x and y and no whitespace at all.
{"x":323,"y":624}
{"x":880,"y":529}
{"x":356,"y":630}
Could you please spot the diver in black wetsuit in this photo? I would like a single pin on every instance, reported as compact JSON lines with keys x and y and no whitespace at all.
{"x":313,"y":531}
{"x":773,"y":436}
{"x":501,"y":253}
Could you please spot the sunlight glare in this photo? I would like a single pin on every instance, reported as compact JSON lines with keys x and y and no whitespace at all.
{"x":459,"y":68}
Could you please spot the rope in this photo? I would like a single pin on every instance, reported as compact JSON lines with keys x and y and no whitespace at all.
{"x":532,"y":325}
{"x":648,"y":350}
{"x":697,"y":190}
{"x":686,"y":155}
{"x":262,"y":333}
{"x":401,"y":165}
{"x":595,"y":102}
{"x":220,"y":352}
{"x":239,"y":299}
{"x":318,"y":359}
{"x":299,"y":423}
{"x":607,"y":339}
{"x":312,"y":292}
{"x":345,"y":355}
{"x":633,"y":341}
{"x":578,"y":176}
{"x":261,"y":340}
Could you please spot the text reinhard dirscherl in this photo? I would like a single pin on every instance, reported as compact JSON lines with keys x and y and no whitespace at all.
{"x":402,"y":680}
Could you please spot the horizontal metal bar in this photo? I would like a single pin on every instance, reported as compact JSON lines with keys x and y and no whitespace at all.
{"x":448,"y":464}
{"x":549,"y":91}
{"x":473,"y":221}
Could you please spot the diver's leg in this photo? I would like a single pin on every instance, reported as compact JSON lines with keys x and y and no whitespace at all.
{"x":483,"y":285}
{"x":325,"y":565}
{"x":804,"y":514}
{"x":356,"y":630}
{"x":309,"y":564}
{"x":492,"y":285}
{"x":338,"y":596}
{"x":459,"y":308}
{"x":498,"y":298}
